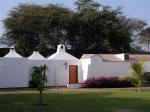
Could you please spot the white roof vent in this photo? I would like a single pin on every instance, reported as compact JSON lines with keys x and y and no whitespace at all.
{"x":61,"y":48}
{"x":12,"y":54}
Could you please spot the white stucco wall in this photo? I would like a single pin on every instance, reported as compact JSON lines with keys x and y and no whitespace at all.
{"x":57,"y":74}
{"x":14,"y":72}
{"x":85,"y":64}
{"x":95,"y":67}
{"x":147,"y":66}
{"x":50,"y":73}
{"x":1,"y":75}
{"x":62,"y":73}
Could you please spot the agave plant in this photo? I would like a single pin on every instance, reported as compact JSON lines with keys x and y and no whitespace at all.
{"x":137,"y":70}
{"x":38,"y":77}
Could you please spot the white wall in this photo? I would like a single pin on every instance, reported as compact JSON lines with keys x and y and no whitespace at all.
{"x":14,"y":72}
{"x":50,"y":73}
{"x":1,"y":75}
{"x":147,"y":66}
{"x":62,"y":73}
{"x":85,"y":64}
{"x":57,"y":74}
{"x":95,"y":67}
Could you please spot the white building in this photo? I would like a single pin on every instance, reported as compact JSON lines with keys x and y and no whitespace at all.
{"x":63,"y":68}
{"x":107,"y":65}
{"x":67,"y":68}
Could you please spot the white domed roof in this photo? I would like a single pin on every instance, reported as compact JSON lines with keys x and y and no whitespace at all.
{"x":61,"y":54}
{"x":36,"y":56}
{"x":12,"y":54}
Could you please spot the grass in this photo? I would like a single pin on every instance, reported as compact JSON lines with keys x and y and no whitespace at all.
{"x":110,"y":100}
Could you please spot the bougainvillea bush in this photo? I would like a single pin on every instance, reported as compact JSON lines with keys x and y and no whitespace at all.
{"x":107,"y":82}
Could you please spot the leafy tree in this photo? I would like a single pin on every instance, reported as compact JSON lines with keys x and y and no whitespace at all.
{"x":145,"y":36}
{"x":42,"y":48}
{"x":137,"y":70}
{"x":135,"y":26}
{"x":88,"y":28}
{"x":84,"y":5}
{"x":22,"y":47}
{"x":38,"y":78}
{"x":102,"y":30}
{"x":37,"y":22}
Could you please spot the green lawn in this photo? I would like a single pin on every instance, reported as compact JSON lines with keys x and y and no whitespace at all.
{"x":84,"y":101}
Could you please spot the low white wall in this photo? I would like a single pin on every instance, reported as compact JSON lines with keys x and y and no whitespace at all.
{"x":93,"y":67}
{"x":147,"y":66}
{"x":57,"y":74}
{"x":106,"y":69}
{"x":14,"y":72}
{"x":49,"y":73}
{"x":1,"y":75}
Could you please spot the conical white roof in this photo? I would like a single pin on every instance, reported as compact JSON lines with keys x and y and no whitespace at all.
{"x":36,"y":56}
{"x":61,"y":54}
{"x":12,"y":54}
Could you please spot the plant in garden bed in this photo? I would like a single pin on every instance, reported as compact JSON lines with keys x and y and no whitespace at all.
{"x":137,"y":69}
{"x":106,"y":82}
{"x":38,"y":80}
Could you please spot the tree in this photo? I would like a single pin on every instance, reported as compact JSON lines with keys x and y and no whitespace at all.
{"x":88,"y":28}
{"x":38,"y":78}
{"x":42,"y":48}
{"x":137,"y":70}
{"x":37,"y":22}
{"x":22,"y":47}
{"x":135,"y":26}
{"x":103,"y":30}
{"x":84,"y":5}
{"x":145,"y":36}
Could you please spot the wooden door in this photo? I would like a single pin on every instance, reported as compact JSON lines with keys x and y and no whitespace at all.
{"x":73,"y":74}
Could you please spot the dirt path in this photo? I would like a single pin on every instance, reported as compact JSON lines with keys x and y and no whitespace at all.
{"x":66,"y":90}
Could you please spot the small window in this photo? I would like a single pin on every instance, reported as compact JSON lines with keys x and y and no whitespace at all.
{"x":61,"y":47}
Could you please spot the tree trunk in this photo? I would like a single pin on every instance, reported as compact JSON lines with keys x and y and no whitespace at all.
{"x":148,"y":46}
{"x":41,"y":98}
{"x":140,"y":87}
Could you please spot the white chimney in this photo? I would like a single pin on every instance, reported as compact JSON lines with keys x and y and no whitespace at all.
{"x":61,"y":48}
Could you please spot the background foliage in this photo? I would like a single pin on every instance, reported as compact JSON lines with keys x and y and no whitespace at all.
{"x":92,"y":26}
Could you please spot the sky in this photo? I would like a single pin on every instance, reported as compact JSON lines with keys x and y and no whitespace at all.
{"x":131,"y":8}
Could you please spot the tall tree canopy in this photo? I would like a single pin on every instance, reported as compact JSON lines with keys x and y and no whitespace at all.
{"x":36,"y":22}
{"x":91,"y":27}
{"x":145,"y":36}
{"x":84,"y":5}
{"x":23,"y":47}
